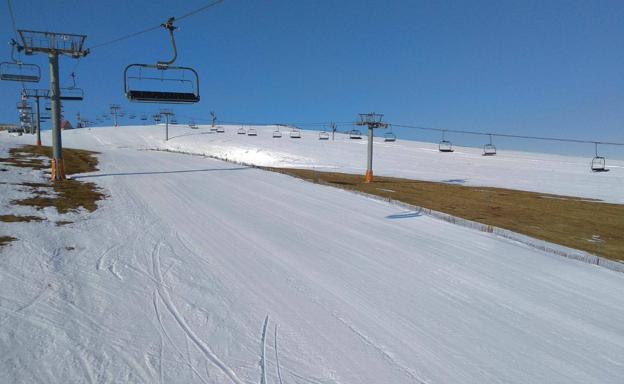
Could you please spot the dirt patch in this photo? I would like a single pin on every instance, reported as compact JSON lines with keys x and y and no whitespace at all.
{"x":61,"y":223}
{"x":5,"y":240}
{"x":582,"y":224}
{"x":19,"y":219}
{"x":68,"y":195}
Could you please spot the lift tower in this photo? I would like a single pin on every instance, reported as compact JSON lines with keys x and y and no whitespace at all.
{"x":54,"y":44}
{"x":372,"y":121}
{"x":37,"y":94}
{"x":114,"y":110}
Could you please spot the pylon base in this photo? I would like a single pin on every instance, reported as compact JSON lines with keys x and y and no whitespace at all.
{"x":58,"y":171}
{"x":368,"y":177}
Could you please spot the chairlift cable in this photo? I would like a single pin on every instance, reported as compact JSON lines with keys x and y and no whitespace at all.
{"x":13,"y":23}
{"x":155,"y":27}
{"x":508,"y":135}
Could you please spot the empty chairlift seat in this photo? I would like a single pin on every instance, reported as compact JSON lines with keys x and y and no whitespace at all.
{"x":599,"y":164}
{"x":323,"y":135}
{"x":445,"y":146}
{"x":277,"y":134}
{"x":28,"y":73}
{"x":295,"y":134}
{"x":389,"y":137}
{"x":252,"y":132}
{"x":241,"y":131}
{"x":355,"y":134}
{"x":489,"y":150}
{"x":161,"y":84}
{"x":220,"y":129}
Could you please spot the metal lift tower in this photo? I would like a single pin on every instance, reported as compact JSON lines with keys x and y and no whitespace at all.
{"x":37,"y":94}
{"x":372,"y":121}
{"x":54,"y":44}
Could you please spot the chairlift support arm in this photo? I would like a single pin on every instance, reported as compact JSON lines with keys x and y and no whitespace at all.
{"x":170,"y":28}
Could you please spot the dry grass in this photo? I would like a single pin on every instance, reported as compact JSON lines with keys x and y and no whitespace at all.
{"x":5,"y":240}
{"x":69,"y":195}
{"x":19,"y":219}
{"x":562,"y":220}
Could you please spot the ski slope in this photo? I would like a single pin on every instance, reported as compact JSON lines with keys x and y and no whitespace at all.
{"x":171,"y":280}
{"x":553,"y":174}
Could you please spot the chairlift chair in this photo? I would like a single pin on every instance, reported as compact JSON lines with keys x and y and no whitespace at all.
{"x":389,"y":137}
{"x":295,"y":133}
{"x":252,"y":132}
{"x":277,"y":134}
{"x":220,"y":129}
{"x":489,"y":149}
{"x":355,"y":134}
{"x":192,"y":125}
{"x":174,"y":121}
{"x":181,"y":83}
{"x":241,"y":131}
{"x":599,"y":163}
{"x":16,"y":70}
{"x":445,"y":145}
{"x":143,"y":118}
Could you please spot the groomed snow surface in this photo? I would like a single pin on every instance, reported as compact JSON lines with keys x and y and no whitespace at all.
{"x":171,"y":279}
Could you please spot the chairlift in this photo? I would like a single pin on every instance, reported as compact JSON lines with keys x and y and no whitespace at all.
{"x":220,"y":129}
{"x":143,"y":117}
{"x":169,"y":84}
{"x":489,"y":149}
{"x":599,"y":163}
{"x":355,"y":134}
{"x":156,"y":118}
{"x":445,"y":145}
{"x":16,"y":70}
{"x":252,"y":132}
{"x":192,"y":125}
{"x":277,"y":133}
{"x":389,"y":137}
{"x":174,"y":121}
{"x":323,"y":135}
{"x":241,"y":131}
{"x":295,"y":133}
{"x":72,"y":93}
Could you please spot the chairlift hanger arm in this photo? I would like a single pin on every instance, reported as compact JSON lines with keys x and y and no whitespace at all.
{"x":170,"y":28}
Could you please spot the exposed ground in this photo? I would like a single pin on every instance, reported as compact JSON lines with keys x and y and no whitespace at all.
{"x":583,"y":224}
{"x":66,"y":196}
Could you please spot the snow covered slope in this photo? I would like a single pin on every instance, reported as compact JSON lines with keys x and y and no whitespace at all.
{"x":516,"y":170}
{"x":171,"y":279}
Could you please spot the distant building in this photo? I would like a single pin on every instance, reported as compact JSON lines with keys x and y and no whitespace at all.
{"x":65,"y":124}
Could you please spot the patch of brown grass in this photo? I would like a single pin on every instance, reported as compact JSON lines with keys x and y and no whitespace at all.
{"x":19,"y":219}
{"x":5,"y":240}
{"x":69,"y":195}
{"x":61,"y":223}
{"x":564,"y":220}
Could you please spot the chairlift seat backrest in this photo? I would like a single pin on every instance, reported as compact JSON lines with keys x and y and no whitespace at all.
{"x":252,"y":132}
{"x":29,"y":73}
{"x":355,"y":134}
{"x":489,"y":150}
{"x":168,"y":96}
{"x":220,"y":129}
{"x":241,"y":131}
{"x":389,"y":137}
{"x":323,"y":135}
{"x":445,"y":146}
{"x":599,"y":164}
{"x":295,"y":134}
{"x":277,"y":134}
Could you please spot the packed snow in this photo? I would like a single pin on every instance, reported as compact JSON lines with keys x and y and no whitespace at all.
{"x":545,"y":173}
{"x":171,"y":280}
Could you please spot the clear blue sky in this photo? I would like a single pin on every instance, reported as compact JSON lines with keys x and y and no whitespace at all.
{"x":524,"y":67}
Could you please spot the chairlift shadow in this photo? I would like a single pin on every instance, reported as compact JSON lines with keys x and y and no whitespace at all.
{"x":161,"y":172}
{"x":404,"y":215}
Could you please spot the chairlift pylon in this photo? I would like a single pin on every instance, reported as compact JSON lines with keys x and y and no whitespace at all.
{"x":164,"y":72}
{"x":16,"y":70}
